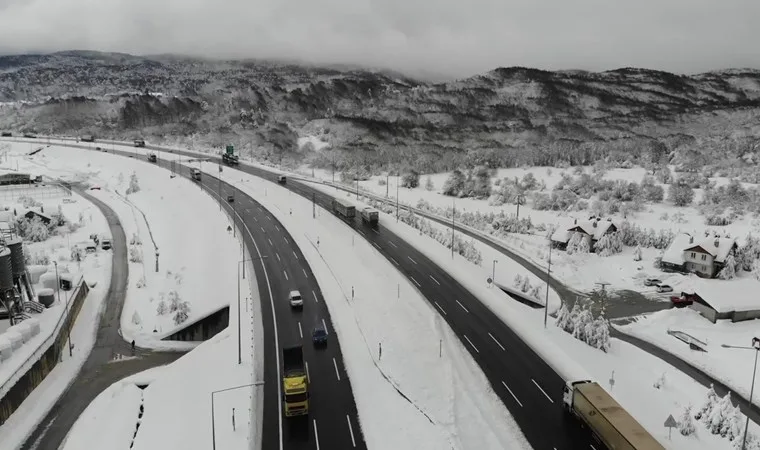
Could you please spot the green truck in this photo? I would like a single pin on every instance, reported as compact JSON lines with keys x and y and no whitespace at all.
{"x":229,"y":157}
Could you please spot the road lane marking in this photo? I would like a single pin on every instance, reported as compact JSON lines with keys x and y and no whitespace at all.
{"x":375,"y":230}
{"x":394,"y":261}
{"x":462,"y":306}
{"x":269,"y":217}
{"x":436,"y":281}
{"x":410,"y":259}
{"x":375,"y":244}
{"x":278,"y":228}
{"x":304,"y":273}
{"x":262,"y":230}
{"x":337,"y":374}
{"x":270,"y":241}
{"x":362,"y":233}
{"x":316,"y":434}
{"x":294,"y":254}
{"x":540,"y":389}
{"x":439,"y":307}
{"x":286,"y":239}
{"x":513,"y":395}
{"x":308,"y":377}
{"x":473,"y":345}
{"x":394,"y":245}
{"x":286,"y":275}
{"x":315,"y":296}
{"x":300,"y":331}
{"x":415,"y":282}
{"x":325,"y":326}
{"x":497,"y":342}
{"x":278,"y":256}
{"x":592,"y":447}
{"x":254,"y":217}
{"x":351,"y":430}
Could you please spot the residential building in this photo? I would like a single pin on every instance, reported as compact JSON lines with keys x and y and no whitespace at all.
{"x":734,"y":300}
{"x":705,"y":257}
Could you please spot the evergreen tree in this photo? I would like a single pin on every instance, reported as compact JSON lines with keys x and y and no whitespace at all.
{"x":637,"y":253}
{"x":134,"y":185}
{"x":563,"y":317}
{"x":136,"y":318}
{"x":708,"y":405}
{"x":756,"y":269}
{"x":429,"y":186}
{"x":686,"y":423}
{"x":454,"y":184}
{"x":729,"y":269}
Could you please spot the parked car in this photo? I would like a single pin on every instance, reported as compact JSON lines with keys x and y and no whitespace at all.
{"x":652,"y":282}
{"x":295,"y":299}
{"x":319,"y":336}
{"x":662,"y":288}
{"x":231,"y":198}
{"x":680,"y":301}
{"x":98,"y":149}
{"x":105,"y":243}
{"x":7,"y":134}
{"x":95,"y":188}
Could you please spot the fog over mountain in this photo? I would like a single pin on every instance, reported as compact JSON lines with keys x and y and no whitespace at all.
{"x":422,"y":38}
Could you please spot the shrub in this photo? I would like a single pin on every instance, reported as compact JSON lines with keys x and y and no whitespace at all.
{"x":410,"y":179}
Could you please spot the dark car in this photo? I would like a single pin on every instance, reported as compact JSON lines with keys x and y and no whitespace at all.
{"x":7,"y":134}
{"x":231,"y":198}
{"x":319,"y":335}
{"x":680,"y":301}
{"x":98,"y":148}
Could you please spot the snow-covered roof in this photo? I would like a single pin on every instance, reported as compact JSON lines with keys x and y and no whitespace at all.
{"x":37,"y":212}
{"x":596,"y":228}
{"x":739,"y":294}
{"x":562,"y":233}
{"x":675,"y":252}
{"x":718,"y":247}
{"x":6,"y":216}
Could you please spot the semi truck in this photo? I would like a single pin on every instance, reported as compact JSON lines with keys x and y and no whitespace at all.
{"x":229,"y":157}
{"x":152,"y":157}
{"x":139,"y":143}
{"x":295,"y":382}
{"x":610,"y":423}
{"x":370,"y":215}
{"x":344,"y":208}
{"x":196,"y":173}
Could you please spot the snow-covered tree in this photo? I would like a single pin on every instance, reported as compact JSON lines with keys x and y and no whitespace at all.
{"x":686,"y":423}
{"x":525,"y":286}
{"x":174,"y":301}
{"x":583,"y":246}
{"x":756,"y":269}
{"x":659,"y":382}
{"x":518,"y":281}
{"x":162,"y":308}
{"x":573,"y":245}
{"x":609,"y":244}
{"x":135,"y":254}
{"x":429,"y":186}
{"x":637,"y":253}
{"x":602,"y":334}
{"x":729,"y":269}
{"x":733,"y":425}
{"x":182,"y":313}
{"x":537,"y":292}
{"x":583,"y":318}
{"x":410,"y":179}
{"x":134,"y":184}
{"x":563,"y":317}
{"x":136,"y":318}
{"x":710,"y":401}
{"x":720,"y":412}
{"x":680,"y":193}
{"x":454,"y":184}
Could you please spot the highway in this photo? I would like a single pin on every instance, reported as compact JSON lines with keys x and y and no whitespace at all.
{"x":528,"y":386}
{"x":280,"y":267}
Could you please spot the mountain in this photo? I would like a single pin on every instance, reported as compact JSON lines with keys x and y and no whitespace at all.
{"x":506,"y":117}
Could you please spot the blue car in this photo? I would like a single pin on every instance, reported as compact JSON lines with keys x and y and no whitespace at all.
{"x":319,"y":335}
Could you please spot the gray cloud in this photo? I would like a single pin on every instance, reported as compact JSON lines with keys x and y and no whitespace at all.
{"x":453,"y":38}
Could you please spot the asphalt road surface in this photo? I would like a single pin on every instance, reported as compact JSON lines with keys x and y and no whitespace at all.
{"x":103,"y":366}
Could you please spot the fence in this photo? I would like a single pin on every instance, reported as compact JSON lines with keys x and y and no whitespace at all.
{"x":35,"y":191}
{"x":31,"y":373}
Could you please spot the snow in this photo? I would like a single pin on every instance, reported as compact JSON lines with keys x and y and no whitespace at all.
{"x":170,"y":215}
{"x":738,"y":294}
{"x":674,"y":254}
{"x":315,"y":141}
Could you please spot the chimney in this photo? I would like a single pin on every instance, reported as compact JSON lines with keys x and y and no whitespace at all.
{"x":575,"y":222}
{"x":717,"y":242}
{"x":594,"y":224}
{"x":691,"y":239}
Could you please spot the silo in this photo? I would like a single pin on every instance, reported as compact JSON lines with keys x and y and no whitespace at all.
{"x":34,"y":325}
{"x":6,"y":270}
{"x":49,"y":280}
{"x":17,"y":256}
{"x":5,"y":348}
{"x":15,"y":337}
{"x":46,"y":296}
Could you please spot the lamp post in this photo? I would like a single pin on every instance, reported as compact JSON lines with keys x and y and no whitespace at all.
{"x":756,"y":347}
{"x":548,"y":271}
{"x":453,"y":213}
{"x":213,"y":421}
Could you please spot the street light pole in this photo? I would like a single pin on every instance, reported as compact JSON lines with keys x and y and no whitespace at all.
{"x":398,"y":179}
{"x":548,"y":271}
{"x":453,"y":212}
{"x":213,"y":421}
{"x":756,"y":347}
{"x":68,"y":328}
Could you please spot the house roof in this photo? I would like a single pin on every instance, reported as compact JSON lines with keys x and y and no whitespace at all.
{"x":562,"y":233}
{"x":587,"y":226}
{"x":37,"y":213}
{"x":739,"y":294}
{"x":674,"y":254}
{"x":719,"y":251}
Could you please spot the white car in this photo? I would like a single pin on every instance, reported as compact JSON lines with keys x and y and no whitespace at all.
{"x":295,"y":299}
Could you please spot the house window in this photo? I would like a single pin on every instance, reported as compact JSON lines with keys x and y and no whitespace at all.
{"x":704,"y":257}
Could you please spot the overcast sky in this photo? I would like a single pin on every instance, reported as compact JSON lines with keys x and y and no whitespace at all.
{"x":446,"y":37}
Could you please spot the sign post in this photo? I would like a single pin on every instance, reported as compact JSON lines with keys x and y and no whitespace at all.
{"x":670,"y":422}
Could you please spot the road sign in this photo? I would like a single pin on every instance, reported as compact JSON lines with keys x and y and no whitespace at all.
{"x":670,"y":422}
{"x":489,"y":280}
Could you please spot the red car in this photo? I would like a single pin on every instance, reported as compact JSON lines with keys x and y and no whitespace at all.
{"x":680,"y":301}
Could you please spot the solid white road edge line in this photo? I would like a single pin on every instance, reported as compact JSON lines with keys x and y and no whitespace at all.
{"x":394,"y":261}
{"x":542,"y":391}
{"x":324,"y":325}
{"x":497,"y":342}
{"x":473,"y":345}
{"x":351,"y":430}
{"x":512,"y":393}
{"x":462,"y":306}
{"x":375,"y":244}
{"x":337,"y":374}
{"x":315,"y":296}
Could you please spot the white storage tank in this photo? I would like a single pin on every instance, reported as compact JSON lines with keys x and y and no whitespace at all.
{"x":34,"y":325}
{"x":6,"y":349}
{"x":48,"y":280}
{"x":35,"y":272}
{"x":25,"y":329}
{"x":15,"y":337}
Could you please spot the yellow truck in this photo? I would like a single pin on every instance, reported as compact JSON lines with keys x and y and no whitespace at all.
{"x":295,"y":382}
{"x":611,"y":424}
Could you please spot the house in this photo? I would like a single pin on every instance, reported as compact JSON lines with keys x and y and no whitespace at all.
{"x":705,"y":257}
{"x":734,"y":300}
{"x":592,"y":230}
{"x":31,"y":214}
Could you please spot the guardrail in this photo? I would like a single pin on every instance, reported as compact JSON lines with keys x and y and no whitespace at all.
{"x":34,"y":369}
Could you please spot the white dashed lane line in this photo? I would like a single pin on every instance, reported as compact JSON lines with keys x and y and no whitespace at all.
{"x":470,"y":342}
{"x":497,"y":342}
{"x":462,"y":306}
{"x":542,"y":391}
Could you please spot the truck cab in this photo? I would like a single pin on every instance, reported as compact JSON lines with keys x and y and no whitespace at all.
{"x":196,"y":173}
{"x":281,"y":179}
{"x":370,"y":215}
{"x":152,"y":157}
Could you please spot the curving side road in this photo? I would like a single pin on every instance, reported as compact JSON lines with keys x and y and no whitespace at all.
{"x":100,"y":370}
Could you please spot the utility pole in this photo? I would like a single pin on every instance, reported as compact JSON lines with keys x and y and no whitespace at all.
{"x":756,"y":347}
{"x":493,"y":272}
{"x":520,"y":201}
{"x":313,"y":205}
{"x":604,"y":297}
{"x":398,"y":179}
{"x":387,"y":178}
{"x":453,"y":212}
{"x":357,"y":187}
{"x":220,"y":187}
{"x":548,"y":271}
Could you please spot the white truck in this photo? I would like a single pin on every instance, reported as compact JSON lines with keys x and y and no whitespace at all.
{"x":610,"y":423}
{"x":370,"y":215}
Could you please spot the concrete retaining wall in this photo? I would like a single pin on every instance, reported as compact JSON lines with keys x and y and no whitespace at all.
{"x":27,"y":378}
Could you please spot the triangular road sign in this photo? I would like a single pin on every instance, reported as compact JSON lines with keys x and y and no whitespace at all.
{"x":671,"y":422}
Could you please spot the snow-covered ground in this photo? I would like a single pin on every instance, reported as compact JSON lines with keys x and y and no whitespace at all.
{"x":198,"y":259}
{"x":95,"y":268}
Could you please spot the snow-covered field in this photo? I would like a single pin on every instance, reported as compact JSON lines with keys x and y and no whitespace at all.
{"x":198,"y":259}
